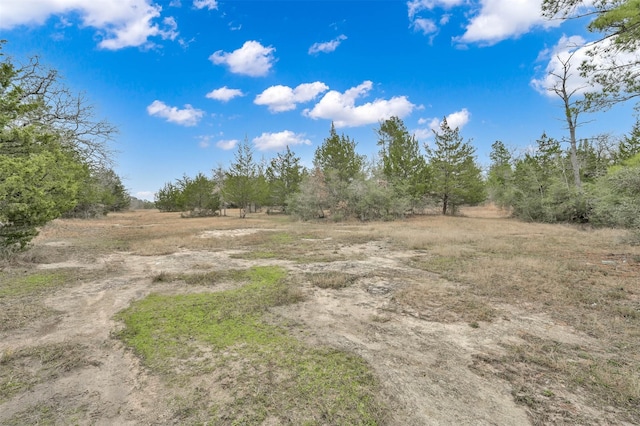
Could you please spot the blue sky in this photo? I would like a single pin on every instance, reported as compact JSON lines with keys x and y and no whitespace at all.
{"x":186,"y":80}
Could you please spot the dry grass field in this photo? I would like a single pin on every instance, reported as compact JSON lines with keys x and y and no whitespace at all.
{"x":148,"y":318}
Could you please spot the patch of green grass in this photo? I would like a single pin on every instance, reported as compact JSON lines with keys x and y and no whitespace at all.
{"x":282,"y":238}
{"x":32,"y":284}
{"x":23,"y":369}
{"x":267,"y":374}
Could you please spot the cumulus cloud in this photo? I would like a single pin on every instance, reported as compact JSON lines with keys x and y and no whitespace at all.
{"x":328,"y":46}
{"x":189,"y":116}
{"x":224,"y":94}
{"x":252,"y":59}
{"x":342,"y":110}
{"x":280,"y":140}
{"x":283,"y":98}
{"x":227,"y":144}
{"x":498,"y":20}
{"x":119,"y":23}
{"x":458,"y":119}
{"x":209,"y":4}
{"x":571,"y":51}
{"x":455,"y":120}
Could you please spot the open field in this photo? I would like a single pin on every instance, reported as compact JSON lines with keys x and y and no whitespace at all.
{"x":147,"y":318}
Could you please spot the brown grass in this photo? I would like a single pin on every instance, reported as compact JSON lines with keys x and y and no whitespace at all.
{"x":332,"y":279}
{"x":484,"y":266}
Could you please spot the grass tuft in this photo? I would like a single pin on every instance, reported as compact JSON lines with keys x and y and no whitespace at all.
{"x":332,"y":279}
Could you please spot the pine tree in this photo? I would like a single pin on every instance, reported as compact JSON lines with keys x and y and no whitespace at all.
{"x":457,"y":179}
{"x":284,"y":175}
{"x":630,"y":145}
{"x":240,"y":180}
{"x":500,"y":176}
{"x":337,"y":156}
{"x":402,"y":164}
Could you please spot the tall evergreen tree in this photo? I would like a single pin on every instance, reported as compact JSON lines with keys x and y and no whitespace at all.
{"x":457,"y":179}
{"x":337,"y":157}
{"x":630,"y":145}
{"x":284,"y":175}
{"x":240,"y":181}
{"x":200,"y":197}
{"x":500,"y":176}
{"x":402,"y":163}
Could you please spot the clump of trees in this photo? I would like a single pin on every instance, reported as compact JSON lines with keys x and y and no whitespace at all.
{"x":342,"y":184}
{"x":540,"y":185}
{"x":402,"y":181}
{"x":54,"y":156}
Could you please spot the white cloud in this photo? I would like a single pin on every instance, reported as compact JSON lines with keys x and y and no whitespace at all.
{"x":416,"y":6}
{"x":458,"y":119}
{"x":119,"y":23}
{"x":574,"y":51}
{"x":341,"y":108}
{"x":455,"y":120}
{"x":428,"y":25}
{"x":425,"y":26}
{"x":209,"y":4}
{"x":252,"y":59}
{"x":569,"y":50}
{"x":224,"y":94}
{"x":280,"y":140}
{"x":189,"y":116}
{"x":227,"y":144}
{"x":422,"y":134}
{"x":328,"y":46}
{"x":283,"y":98}
{"x":204,"y":141}
{"x":502,"y":19}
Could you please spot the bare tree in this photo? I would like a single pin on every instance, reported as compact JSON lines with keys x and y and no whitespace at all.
{"x":70,"y":115}
{"x":572,"y":110}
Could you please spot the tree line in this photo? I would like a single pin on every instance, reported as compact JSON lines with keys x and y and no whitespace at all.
{"x":341,"y":184}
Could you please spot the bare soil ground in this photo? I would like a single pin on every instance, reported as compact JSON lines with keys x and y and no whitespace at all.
{"x":477,"y":320}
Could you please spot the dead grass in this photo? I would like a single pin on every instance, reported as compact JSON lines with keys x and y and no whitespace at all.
{"x":481,"y":267}
{"x":22,"y":291}
{"x":23,"y":369}
{"x":332,"y":279}
{"x":584,"y":278}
